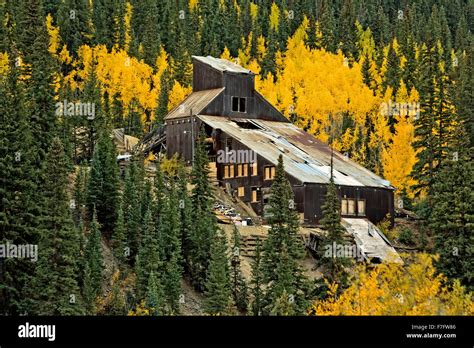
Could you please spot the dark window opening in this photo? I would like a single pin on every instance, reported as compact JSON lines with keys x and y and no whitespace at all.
{"x":235,"y":104}
{"x":242,"y":105}
{"x":239,"y":104}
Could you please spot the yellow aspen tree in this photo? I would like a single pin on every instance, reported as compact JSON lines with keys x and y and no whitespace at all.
{"x":395,"y":289}
{"x":274,"y":17}
{"x":253,"y":11}
{"x":193,"y":5}
{"x":399,"y":157}
{"x":128,"y":25}
{"x":54,"y":38}
{"x":177,"y":94}
{"x":3,"y":63}
{"x":226,"y":54}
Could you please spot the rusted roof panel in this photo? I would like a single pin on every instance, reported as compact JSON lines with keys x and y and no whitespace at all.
{"x":223,"y":65}
{"x":196,"y":101}
{"x":306,"y":158}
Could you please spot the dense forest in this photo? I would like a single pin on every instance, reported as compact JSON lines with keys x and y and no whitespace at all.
{"x":391,"y":83}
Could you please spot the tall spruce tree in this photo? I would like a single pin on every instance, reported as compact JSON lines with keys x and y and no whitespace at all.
{"x":154,"y":298}
{"x":218,"y":295}
{"x":238,"y":284}
{"x":257,"y":280}
{"x":54,"y":289}
{"x":148,"y":257}
{"x":171,"y":237}
{"x":94,"y":265}
{"x":452,"y":214}
{"x":204,"y":227}
{"x":282,"y":238}
{"x":20,"y":202}
{"x":119,"y":237}
{"x":434,"y":128}
{"x":102,"y":188}
{"x":132,"y":208}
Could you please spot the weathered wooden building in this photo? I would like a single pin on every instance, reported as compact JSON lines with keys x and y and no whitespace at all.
{"x":246,"y":135}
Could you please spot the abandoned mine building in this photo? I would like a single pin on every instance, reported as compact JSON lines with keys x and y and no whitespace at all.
{"x":245,"y":135}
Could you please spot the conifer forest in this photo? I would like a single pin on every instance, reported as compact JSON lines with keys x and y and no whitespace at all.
{"x":100,"y":216}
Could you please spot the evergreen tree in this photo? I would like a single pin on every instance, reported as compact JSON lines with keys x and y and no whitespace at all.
{"x":435,"y":124}
{"x":80,"y":194}
{"x":103,"y":20}
{"x":366,"y":74}
{"x":282,"y":238}
{"x":119,"y":237}
{"x":154,"y":295}
{"x":204,"y":222}
{"x":218,"y":288}
{"x":171,"y":236}
{"x":131,"y":207}
{"x":54,"y":289}
{"x":20,"y":202}
{"x":185,"y":212}
{"x":181,"y":65}
{"x":93,"y":265}
{"x":75,"y":24}
{"x":392,"y":75}
{"x":464,"y":93}
{"x":163,"y":98}
{"x":96,"y":124}
{"x":148,"y":257}
{"x":238,"y":285}
{"x":33,"y":41}
{"x":257,"y":281}
{"x":102,"y":188}
{"x":452,"y":214}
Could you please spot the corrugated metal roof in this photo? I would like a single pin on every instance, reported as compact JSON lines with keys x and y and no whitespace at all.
{"x":223,"y":65}
{"x":306,"y":158}
{"x":196,"y":101}
{"x":371,"y":240}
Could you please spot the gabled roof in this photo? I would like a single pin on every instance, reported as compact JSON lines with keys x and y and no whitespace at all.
{"x":306,"y":158}
{"x":222,"y":65}
{"x":196,"y":101}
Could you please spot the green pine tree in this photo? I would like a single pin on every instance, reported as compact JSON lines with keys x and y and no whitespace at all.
{"x":282,"y":238}
{"x":238,"y":284}
{"x":54,"y":288}
{"x":452,"y":215}
{"x":102,"y":188}
{"x":204,"y":221}
{"x":148,"y":258}
{"x":257,"y":281}
{"x":218,"y":295}
{"x":94,"y":266}
{"x":154,"y":298}
{"x":20,"y":201}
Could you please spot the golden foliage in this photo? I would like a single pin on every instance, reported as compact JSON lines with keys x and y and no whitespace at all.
{"x":399,"y":157}
{"x":3,"y":63}
{"x":274,"y":17}
{"x":54,"y":38}
{"x":177,"y":94}
{"x":140,"y":310}
{"x":393,"y":289}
